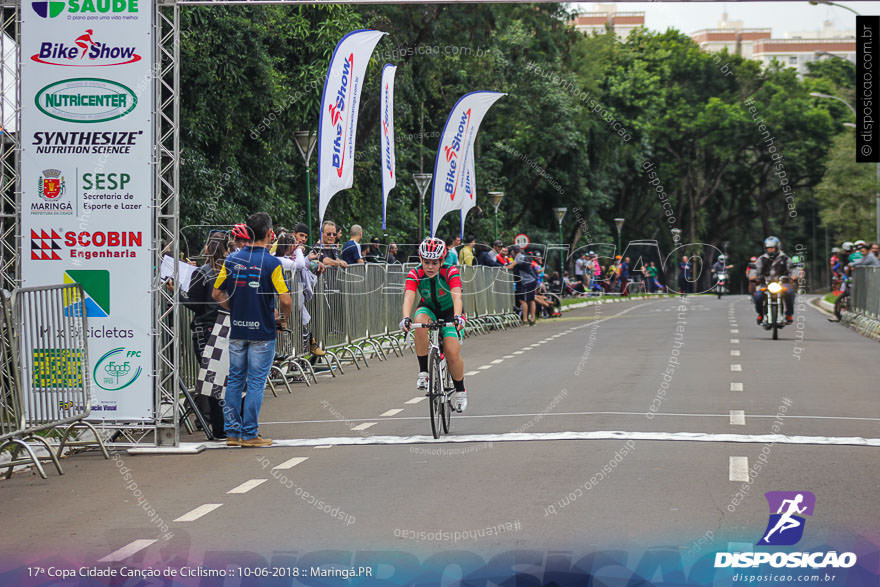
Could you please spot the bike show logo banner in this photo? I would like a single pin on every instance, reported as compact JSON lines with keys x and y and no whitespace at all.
{"x":339,"y":110}
{"x":386,"y":135}
{"x":456,"y":144}
{"x":86,"y":134}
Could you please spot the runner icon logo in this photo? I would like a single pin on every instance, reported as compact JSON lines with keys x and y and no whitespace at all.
{"x":786,"y":526}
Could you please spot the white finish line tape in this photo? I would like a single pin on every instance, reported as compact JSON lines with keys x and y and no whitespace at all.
{"x":596,"y":435}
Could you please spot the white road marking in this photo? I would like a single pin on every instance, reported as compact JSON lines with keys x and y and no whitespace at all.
{"x":734,"y":341}
{"x":290,"y":463}
{"x":247,"y":486}
{"x":736,"y":386}
{"x":126,"y":551}
{"x":324,"y":446}
{"x":737,"y":418}
{"x":484,"y":367}
{"x":734,"y":353}
{"x":468,"y":374}
{"x":363,"y":426}
{"x":392,"y":412}
{"x":197,"y":513}
{"x":518,"y":352}
{"x":414,"y":400}
{"x":497,"y":361}
{"x":736,"y":367}
{"x":734,"y":331}
{"x":508,"y":356}
{"x":592,"y":435}
{"x":739,"y":469}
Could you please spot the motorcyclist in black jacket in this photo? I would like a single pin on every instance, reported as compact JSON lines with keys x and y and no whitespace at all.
{"x":774,"y":264}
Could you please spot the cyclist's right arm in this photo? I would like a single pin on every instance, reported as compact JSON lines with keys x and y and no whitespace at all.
{"x":411,"y":288}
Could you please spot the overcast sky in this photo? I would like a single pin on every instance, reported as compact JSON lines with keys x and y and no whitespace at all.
{"x":782,"y":17}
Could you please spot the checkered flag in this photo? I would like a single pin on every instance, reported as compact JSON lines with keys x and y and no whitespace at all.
{"x":214,"y":364}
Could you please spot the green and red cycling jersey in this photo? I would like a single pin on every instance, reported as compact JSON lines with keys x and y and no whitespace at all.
{"x":435,"y":292}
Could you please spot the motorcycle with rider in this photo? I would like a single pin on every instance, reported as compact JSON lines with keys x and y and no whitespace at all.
{"x":773,"y":287}
{"x":720,"y":276}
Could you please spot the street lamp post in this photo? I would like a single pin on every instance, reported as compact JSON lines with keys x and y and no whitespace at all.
{"x":423,"y":181}
{"x":876,"y":195}
{"x":619,"y":223}
{"x":495,"y":198}
{"x":305,"y":142}
{"x":560,"y":214}
{"x":676,"y":235}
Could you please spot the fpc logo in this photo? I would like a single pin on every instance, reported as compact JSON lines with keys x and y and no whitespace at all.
{"x":786,"y":526}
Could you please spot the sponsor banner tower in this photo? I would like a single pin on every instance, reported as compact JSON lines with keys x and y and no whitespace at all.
{"x":87,"y":183}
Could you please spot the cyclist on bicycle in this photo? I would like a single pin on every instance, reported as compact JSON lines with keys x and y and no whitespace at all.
{"x":438,"y":286}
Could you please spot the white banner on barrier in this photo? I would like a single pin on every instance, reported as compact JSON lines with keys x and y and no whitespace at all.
{"x":339,"y":111}
{"x":386,"y":135}
{"x":456,"y":142}
{"x":87,"y":184}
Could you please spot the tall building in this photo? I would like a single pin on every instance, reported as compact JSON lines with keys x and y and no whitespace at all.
{"x":622,"y":23}
{"x":796,"y":50}
{"x":730,"y":35}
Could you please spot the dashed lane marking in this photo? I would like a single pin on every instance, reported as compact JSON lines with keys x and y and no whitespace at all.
{"x":736,"y":386}
{"x":739,"y":469}
{"x":247,"y":486}
{"x":734,"y":341}
{"x":126,"y":551}
{"x":415,"y":400}
{"x":290,"y":463}
{"x":736,"y":367}
{"x":468,"y":374}
{"x":497,"y":361}
{"x":392,"y":412}
{"x":737,"y":418}
{"x":193,"y":515}
{"x":734,"y":353}
{"x":363,"y":426}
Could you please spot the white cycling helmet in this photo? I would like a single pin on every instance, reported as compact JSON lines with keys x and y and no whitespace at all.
{"x":860,"y":243}
{"x":847,"y":246}
{"x":432,"y":248}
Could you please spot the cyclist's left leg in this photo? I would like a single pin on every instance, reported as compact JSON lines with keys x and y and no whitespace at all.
{"x":422,"y":316}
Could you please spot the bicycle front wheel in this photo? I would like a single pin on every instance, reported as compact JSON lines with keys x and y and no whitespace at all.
{"x":447,"y":405}
{"x":436,"y":407}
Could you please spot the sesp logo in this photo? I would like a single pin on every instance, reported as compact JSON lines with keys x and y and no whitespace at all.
{"x":115,"y":370}
{"x":786,"y":526}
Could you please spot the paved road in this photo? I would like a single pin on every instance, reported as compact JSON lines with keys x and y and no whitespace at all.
{"x":647,"y":427}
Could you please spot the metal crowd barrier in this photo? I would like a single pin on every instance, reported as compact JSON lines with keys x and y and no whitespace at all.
{"x":44,"y":347}
{"x":355,"y":313}
{"x":866,"y":291}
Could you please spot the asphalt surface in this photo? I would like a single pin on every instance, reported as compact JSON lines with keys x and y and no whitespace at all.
{"x":618,"y":426}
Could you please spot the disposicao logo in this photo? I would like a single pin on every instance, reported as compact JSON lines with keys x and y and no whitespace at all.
{"x":85,"y":52}
{"x":786,"y":528}
{"x":86,"y":100}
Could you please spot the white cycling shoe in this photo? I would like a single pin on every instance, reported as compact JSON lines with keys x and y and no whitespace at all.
{"x":459,"y":401}
{"x":422,"y":381}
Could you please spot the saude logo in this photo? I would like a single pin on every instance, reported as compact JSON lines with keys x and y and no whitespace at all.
{"x":85,"y":52}
{"x":786,"y":528}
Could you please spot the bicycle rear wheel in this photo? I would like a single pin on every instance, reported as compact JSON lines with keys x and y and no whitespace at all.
{"x":436,"y":405}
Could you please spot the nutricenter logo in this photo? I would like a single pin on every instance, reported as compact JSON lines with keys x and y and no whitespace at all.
{"x":85,"y":99}
{"x":54,"y":8}
{"x":786,"y":528}
{"x":85,"y":52}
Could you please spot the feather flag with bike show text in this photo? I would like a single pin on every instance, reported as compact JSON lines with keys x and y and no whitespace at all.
{"x":456,"y":145}
{"x":339,"y":109}
{"x":386,"y":135}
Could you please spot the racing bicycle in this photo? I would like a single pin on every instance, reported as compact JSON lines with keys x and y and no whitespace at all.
{"x":440,"y":387}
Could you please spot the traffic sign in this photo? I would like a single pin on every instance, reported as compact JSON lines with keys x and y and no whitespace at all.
{"x":521,"y":240}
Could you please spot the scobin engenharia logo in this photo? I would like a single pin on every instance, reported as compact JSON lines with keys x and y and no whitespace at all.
{"x":785,"y":527}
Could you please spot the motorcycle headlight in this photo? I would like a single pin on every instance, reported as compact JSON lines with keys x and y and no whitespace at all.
{"x":774,"y":288}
